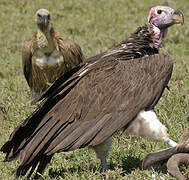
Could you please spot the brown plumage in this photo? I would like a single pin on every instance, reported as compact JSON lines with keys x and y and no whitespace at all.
{"x":87,"y":110}
{"x":86,"y":105}
{"x":47,"y":55}
{"x":136,"y":46}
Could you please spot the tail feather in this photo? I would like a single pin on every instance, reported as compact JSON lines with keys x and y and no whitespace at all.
{"x":36,"y":144}
{"x":40,"y":162}
{"x":31,"y":139}
{"x":45,"y":160}
{"x":22,"y":133}
{"x":31,"y":126}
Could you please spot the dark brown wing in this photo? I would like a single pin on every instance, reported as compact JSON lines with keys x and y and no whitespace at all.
{"x":98,"y":100}
{"x":26,"y":60}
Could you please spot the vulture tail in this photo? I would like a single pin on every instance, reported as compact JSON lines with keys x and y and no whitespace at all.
{"x":40,"y":161}
{"x":36,"y":125}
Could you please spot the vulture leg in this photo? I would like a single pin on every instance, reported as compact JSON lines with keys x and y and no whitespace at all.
{"x":102,"y":151}
{"x":147,"y":125}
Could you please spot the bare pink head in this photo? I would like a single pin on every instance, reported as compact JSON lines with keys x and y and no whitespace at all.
{"x":160,"y":19}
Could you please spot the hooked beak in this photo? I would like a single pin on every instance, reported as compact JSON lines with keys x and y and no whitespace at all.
{"x":45,"y":21}
{"x":178,"y":17}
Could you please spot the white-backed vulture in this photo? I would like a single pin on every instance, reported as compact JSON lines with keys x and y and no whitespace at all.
{"x":47,"y":56}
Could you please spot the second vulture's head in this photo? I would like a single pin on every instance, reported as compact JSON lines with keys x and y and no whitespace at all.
{"x":42,"y":18}
{"x":160,"y":19}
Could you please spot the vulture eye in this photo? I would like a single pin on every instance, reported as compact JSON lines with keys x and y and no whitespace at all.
{"x":159,"y":11}
{"x":48,"y":17}
{"x":39,"y":15}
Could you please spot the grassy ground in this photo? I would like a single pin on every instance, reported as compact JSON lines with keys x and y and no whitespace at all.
{"x":96,"y":25}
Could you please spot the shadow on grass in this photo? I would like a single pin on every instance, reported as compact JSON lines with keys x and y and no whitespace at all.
{"x":53,"y":173}
{"x":131,"y":163}
{"x":128,"y":164}
{"x":161,"y":169}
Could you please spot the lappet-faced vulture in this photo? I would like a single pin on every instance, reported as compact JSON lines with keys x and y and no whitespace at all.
{"x":47,"y":56}
{"x":115,"y":90}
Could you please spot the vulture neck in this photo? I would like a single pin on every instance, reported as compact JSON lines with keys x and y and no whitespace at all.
{"x":142,"y":42}
{"x":139,"y":44}
{"x":45,"y":41}
{"x":158,"y":34}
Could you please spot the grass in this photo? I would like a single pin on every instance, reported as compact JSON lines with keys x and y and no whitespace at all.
{"x":95,"y":25}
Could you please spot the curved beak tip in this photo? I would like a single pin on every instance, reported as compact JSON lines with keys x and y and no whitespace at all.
{"x":45,"y":21}
{"x":178,"y":17}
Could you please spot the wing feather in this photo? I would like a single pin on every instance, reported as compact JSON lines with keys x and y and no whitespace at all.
{"x":103,"y":97}
{"x":71,"y":52}
{"x":26,"y":60}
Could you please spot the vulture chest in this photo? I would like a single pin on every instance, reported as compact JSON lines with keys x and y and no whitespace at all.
{"x":46,"y":68}
{"x":43,"y":60}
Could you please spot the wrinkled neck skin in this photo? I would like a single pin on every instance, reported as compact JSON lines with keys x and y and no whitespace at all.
{"x":158,"y":34}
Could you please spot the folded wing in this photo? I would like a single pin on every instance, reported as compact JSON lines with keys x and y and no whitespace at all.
{"x":96,"y":101}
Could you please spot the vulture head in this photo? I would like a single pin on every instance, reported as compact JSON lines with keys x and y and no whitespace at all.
{"x":160,"y":19}
{"x":42,"y":18}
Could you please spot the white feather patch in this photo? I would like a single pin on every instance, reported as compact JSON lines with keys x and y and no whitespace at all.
{"x":54,"y":58}
{"x":83,"y":72}
{"x":147,"y":125}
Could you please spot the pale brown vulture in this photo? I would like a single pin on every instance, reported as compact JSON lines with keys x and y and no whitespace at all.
{"x":115,"y":90}
{"x":47,"y":55}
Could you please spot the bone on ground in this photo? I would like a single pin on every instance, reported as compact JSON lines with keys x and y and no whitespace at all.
{"x":174,"y":162}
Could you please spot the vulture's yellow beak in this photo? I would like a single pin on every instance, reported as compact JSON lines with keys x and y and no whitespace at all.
{"x":178,"y":17}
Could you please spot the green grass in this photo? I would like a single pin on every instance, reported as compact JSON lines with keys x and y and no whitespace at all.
{"x":95,"y":25}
